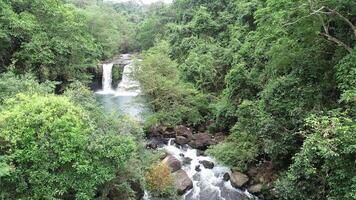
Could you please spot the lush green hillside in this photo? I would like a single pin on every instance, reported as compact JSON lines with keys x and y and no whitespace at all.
{"x":278,"y":78}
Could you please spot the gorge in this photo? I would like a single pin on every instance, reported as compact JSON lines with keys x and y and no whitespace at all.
{"x":207,"y":183}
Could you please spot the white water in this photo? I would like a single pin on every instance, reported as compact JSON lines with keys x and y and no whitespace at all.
{"x":208,"y":184}
{"x":107,"y":78}
{"x":127,"y":86}
{"x":125,"y":98}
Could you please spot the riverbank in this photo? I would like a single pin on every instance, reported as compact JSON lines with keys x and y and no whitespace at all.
{"x":187,"y":147}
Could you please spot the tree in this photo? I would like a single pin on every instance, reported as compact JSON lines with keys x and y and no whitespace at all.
{"x":51,"y":146}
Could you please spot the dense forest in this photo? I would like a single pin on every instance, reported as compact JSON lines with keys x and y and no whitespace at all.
{"x":276,"y":79}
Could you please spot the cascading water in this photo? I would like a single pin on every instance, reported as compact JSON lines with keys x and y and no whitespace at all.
{"x":128,"y":86}
{"x":125,"y":99}
{"x":208,"y":184}
{"x":107,"y":78}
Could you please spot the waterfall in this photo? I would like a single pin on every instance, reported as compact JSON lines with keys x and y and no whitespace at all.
{"x":128,"y":86}
{"x":107,"y":78}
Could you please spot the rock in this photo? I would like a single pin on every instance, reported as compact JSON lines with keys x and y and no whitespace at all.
{"x":226,"y":177}
{"x":181,"y":140}
{"x":192,"y":144}
{"x":151,"y":145}
{"x":202,"y":141}
{"x":238,"y":179}
{"x":187,"y":161}
{"x":182,"y":182}
{"x":160,"y":132}
{"x":173,"y":163}
{"x":197,"y":168}
{"x":219,"y":137}
{"x":207,"y":164}
{"x":153,"y":132}
{"x":256,"y":188}
{"x":200,"y":153}
{"x":184,"y":131}
{"x":252,"y":171}
{"x":168,"y":134}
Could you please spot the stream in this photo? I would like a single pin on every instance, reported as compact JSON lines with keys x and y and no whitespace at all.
{"x":126,"y":98}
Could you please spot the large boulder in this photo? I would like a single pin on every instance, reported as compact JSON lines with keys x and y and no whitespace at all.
{"x":238,"y":179}
{"x":202,"y":141}
{"x":207,"y":164}
{"x":181,"y":140}
{"x":182,"y":182}
{"x":160,"y":132}
{"x":173,"y":163}
{"x":184,"y":132}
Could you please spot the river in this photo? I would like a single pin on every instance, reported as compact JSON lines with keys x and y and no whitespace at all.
{"x":126,"y":98}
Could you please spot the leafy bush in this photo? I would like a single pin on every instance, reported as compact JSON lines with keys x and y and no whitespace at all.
{"x":158,"y":75}
{"x":54,"y":150}
{"x":160,"y":181}
{"x":10,"y":85}
{"x":244,"y":144}
{"x":325,"y":166}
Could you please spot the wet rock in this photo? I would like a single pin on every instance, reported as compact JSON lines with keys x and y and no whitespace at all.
{"x":200,"y":153}
{"x":202,"y":141}
{"x":173,"y":163}
{"x":160,"y":132}
{"x":192,"y":144}
{"x":181,"y":140}
{"x":151,"y":145}
{"x":182,"y":182}
{"x":168,"y":133}
{"x":197,"y":168}
{"x":226,"y":177}
{"x":153,"y":132}
{"x":207,"y":164}
{"x":184,"y":132}
{"x":256,"y":188}
{"x":238,"y":179}
{"x":187,"y":161}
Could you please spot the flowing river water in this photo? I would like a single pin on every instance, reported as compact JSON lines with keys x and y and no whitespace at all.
{"x":126,"y":98}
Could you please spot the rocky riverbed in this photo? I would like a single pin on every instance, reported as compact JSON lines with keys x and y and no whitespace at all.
{"x":198,"y":176}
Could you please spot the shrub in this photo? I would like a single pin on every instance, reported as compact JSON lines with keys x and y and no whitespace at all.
{"x":11,"y":84}
{"x":51,"y":144}
{"x":325,"y":166}
{"x":160,"y":181}
{"x":173,"y":101}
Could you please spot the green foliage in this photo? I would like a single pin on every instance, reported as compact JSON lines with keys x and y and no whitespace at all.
{"x":270,"y":65}
{"x":55,"y":151}
{"x":10,"y":85}
{"x":160,"y":181}
{"x":166,"y":93}
{"x":325,"y":166}
{"x":111,"y":30}
{"x":48,"y":39}
{"x":153,"y":27}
